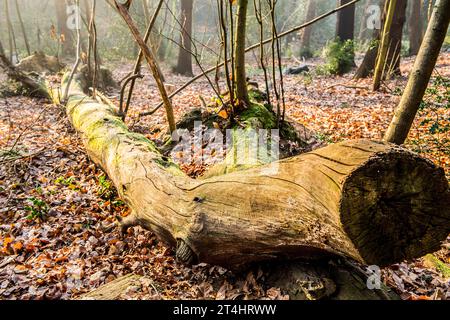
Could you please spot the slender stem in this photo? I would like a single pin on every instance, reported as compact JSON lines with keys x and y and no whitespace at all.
{"x":259,"y":18}
{"x":78,"y":59}
{"x":225,"y":49}
{"x":138,"y":63}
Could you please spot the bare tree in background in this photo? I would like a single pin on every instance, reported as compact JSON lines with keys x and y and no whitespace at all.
{"x":363,"y":29}
{"x":345,"y":26}
{"x":384,"y":46}
{"x":415,"y":27}
{"x":13,"y":54}
{"x":22,"y":27}
{"x":239,"y":52}
{"x":305,"y":42}
{"x":184,"y":65}
{"x":66,"y":35}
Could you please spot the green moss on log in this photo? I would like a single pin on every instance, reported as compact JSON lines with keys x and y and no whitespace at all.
{"x":104,"y":127}
{"x":258,"y":116}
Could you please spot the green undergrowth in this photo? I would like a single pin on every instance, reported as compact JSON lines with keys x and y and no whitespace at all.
{"x":440,"y":266}
{"x":339,"y":58}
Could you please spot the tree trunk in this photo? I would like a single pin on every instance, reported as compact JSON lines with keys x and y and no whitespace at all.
{"x":68,"y":45}
{"x":415,"y":28}
{"x":22,"y":27}
{"x":393,"y":58}
{"x":368,"y":64}
{"x":305,"y":42}
{"x":345,"y":27}
{"x":374,"y":202}
{"x":421,"y":74}
{"x":2,"y":51}
{"x":384,"y":46}
{"x":239,"y":52}
{"x":13,"y":53}
{"x":184,"y":65}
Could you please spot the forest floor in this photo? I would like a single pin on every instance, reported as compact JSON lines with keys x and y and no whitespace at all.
{"x":57,"y":209}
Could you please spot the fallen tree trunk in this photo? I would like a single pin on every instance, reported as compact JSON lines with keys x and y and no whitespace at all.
{"x":374,"y":202}
{"x":35,"y":88}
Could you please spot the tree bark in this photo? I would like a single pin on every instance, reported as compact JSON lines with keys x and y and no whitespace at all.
{"x":374,"y":202}
{"x":415,"y":28}
{"x":239,"y":52}
{"x":421,"y":74}
{"x":184,"y":65}
{"x":368,"y":64}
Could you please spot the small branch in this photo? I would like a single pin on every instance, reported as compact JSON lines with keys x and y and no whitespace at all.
{"x":138,"y":63}
{"x":131,"y":79}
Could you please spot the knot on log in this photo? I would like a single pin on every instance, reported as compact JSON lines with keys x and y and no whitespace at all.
{"x":198,"y":223}
{"x":184,"y":253}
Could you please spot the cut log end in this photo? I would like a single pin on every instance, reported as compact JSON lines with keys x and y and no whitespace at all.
{"x":396,"y":206}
